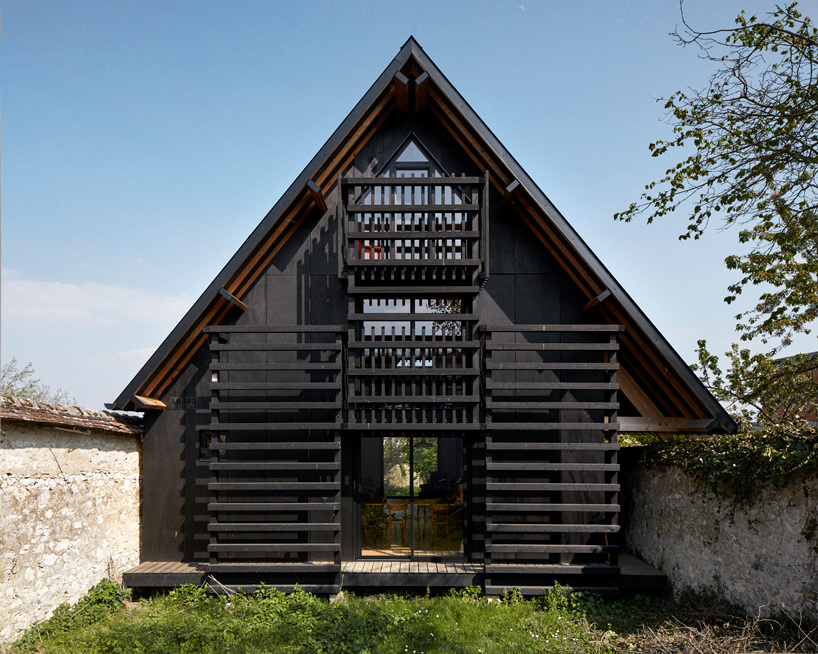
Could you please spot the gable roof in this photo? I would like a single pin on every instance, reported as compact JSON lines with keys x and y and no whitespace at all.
{"x":649,"y":359}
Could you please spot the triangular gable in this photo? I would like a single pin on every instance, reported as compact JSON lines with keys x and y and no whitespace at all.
{"x":647,"y":359}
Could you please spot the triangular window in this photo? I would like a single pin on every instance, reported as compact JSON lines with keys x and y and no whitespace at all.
{"x":411,"y":159}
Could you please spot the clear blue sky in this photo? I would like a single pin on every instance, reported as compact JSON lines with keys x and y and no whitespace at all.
{"x":142,"y":143}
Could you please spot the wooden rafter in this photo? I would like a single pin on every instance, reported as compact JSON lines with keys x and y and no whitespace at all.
{"x":421,"y":91}
{"x":402,"y":92}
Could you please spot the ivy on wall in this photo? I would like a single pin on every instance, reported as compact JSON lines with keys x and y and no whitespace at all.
{"x":739,"y":466}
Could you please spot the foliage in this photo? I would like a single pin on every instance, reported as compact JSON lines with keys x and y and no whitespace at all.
{"x":738,"y":467}
{"x":22,"y":383}
{"x":396,"y":459}
{"x":755,"y":163}
{"x":449,"y":328}
{"x":101,"y":601}
{"x":189,"y":620}
{"x":760,"y":388}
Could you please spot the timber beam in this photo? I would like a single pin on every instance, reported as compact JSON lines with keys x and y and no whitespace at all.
{"x":317,"y":197}
{"x":402,"y":92}
{"x":232,"y":299}
{"x":597,"y":300}
{"x":421,"y":92}
{"x":511,"y":192}
{"x":146,"y":403}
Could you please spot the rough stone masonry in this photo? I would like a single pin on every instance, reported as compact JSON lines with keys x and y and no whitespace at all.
{"x":765,"y":560}
{"x":69,"y":506}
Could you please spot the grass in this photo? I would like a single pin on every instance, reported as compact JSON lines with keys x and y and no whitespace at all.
{"x":189,"y":620}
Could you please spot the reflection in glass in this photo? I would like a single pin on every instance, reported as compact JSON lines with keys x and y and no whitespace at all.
{"x":411,"y":497}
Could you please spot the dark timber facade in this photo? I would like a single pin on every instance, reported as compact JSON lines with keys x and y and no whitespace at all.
{"x":413,"y":371}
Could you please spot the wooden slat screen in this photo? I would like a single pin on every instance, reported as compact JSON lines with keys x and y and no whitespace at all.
{"x":275,"y":465}
{"x":551,"y":470}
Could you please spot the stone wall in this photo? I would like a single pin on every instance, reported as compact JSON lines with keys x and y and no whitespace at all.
{"x":69,"y":516}
{"x":763,"y":561}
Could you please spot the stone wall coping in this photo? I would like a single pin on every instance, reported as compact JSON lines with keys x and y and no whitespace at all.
{"x":73,"y":418}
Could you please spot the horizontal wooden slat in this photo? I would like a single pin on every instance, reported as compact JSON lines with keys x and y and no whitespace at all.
{"x":273,"y":507}
{"x":274,"y":547}
{"x":411,"y":372}
{"x":527,"y":507}
{"x":538,"y":548}
{"x":553,"y":328}
{"x":305,"y":385}
{"x":275,"y":347}
{"x":374,"y":231}
{"x":425,"y":208}
{"x":491,"y":365}
{"x":549,"y":386}
{"x":274,"y":365}
{"x":551,"y":347}
{"x":415,"y":426}
{"x":553,"y":466}
{"x":414,"y":344}
{"x":547,"y":486}
{"x":294,"y":486}
{"x":529,"y":528}
{"x":413,"y":317}
{"x":295,"y":405}
{"x":500,"y":405}
{"x":668,"y":425}
{"x":273,"y":329}
{"x":414,"y":263}
{"x":301,"y":445}
{"x":288,"y":568}
{"x":268,"y":426}
{"x":412,"y":181}
{"x":414,"y":399}
{"x":493,"y":445}
{"x":275,"y":465}
{"x":565,"y":426}
{"x":273,"y":526}
{"x":511,"y":568}
{"x":424,"y":291}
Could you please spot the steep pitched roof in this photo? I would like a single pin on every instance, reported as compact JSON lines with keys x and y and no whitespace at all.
{"x":646,"y":355}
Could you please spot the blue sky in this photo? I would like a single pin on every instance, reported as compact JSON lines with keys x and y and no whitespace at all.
{"x":142,"y":143}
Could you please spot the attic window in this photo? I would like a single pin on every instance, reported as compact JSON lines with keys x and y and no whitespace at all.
{"x":411,"y":159}
{"x":412,"y":154}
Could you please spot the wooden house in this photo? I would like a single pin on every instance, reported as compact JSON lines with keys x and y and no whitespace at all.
{"x":413,"y":364}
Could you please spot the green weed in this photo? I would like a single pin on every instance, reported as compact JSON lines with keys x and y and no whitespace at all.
{"x":188,"y":620}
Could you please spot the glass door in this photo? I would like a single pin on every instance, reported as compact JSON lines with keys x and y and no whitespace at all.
{"x":411,"y":497}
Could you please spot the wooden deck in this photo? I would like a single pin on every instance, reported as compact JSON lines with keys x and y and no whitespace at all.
{"x":410,"y":574}
{"x":635,"y":575}
{"x":164,"y":574}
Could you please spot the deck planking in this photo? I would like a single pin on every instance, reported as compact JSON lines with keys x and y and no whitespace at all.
{"x":635,"y":574}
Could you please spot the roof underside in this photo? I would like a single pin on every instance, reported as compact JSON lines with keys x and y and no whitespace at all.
{"x":645,"y":355}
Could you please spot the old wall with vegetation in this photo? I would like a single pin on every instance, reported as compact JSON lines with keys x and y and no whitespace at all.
{"x":69,"y":512}
{"x":760,"y":554}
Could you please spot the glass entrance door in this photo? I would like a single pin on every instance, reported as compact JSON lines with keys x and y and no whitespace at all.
{"x":411,"y":497}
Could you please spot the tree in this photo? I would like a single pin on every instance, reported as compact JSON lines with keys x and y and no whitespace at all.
{"x":754,"y":166}
{"x":22,"y":383}
{"x":758,"y":388}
